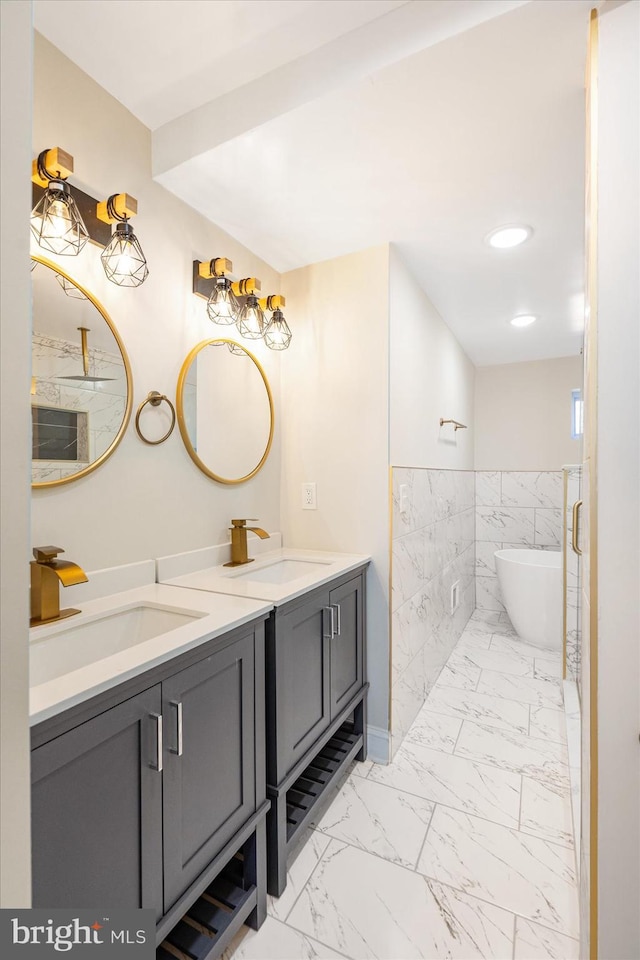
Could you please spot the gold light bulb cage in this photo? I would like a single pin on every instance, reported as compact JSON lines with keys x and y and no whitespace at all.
{"x":127,"y":369}
{"x":182,"y":426}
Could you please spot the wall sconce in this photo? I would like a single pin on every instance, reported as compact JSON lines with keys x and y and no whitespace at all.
{"x":236,"y":301}
{"x":123,"y":260}
{"x":64,"y":218}
{"x":277,"y":334}
{"x":56,"y":222}
{"x":222,"y":305}
{"x":251,"y":320}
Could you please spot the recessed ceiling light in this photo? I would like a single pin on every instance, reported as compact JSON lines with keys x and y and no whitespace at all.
{"x":509,"y":236}
{"x":523,"y":321}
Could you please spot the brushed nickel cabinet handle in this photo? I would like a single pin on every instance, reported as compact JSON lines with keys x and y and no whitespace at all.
{"x":178,"y":705}
{"x":329,"y":633}
{"x":574,"y":532}
{"x":158,"y":719}
{"x":336,"y":607}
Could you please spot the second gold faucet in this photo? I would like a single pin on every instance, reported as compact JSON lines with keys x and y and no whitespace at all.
{"x":239,"y":554}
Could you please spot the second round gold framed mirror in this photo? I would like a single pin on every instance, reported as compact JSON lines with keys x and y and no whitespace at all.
{"x":225,"y":410}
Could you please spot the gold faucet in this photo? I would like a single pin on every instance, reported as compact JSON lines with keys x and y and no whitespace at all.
{"x":239,"y":541}
{"x":47,"y":574}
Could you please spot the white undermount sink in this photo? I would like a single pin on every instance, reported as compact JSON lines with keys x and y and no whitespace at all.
{"x":279,"y":571}
{"x":72,"y":646}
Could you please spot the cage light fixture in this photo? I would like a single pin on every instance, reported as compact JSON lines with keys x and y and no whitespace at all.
{"x":56,"y":222}
{"x":251,"y":320}
{"x":212,"y":282}
{"x":64,"y":218}
{"x":123,"y":260}
{"x":222,"y":305}
{"x":70,"y":288}
{"x":277,"y":334}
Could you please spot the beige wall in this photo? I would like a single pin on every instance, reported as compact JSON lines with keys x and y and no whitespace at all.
{"x":523,"y":415}
{"x":430,"y":377}
{"x":145,"y":501}
{"x":336,"y":429}
{"x":15,"y":371}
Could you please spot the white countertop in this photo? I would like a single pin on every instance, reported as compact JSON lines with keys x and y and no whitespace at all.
{"x":237,"y":581}
{"x":213,"y":614}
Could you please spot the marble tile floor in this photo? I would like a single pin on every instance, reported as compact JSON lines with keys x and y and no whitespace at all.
{"x":462,"y":847}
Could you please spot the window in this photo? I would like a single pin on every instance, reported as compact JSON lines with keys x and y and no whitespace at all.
{"x":577,"y":413}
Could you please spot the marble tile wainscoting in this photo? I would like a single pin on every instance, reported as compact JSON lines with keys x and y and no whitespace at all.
{"x":513,"y":509}
{"x":432,"y":549}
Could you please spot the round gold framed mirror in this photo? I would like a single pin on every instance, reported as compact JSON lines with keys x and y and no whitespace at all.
{"x":225,"y":410}
{"x":81,"y":384}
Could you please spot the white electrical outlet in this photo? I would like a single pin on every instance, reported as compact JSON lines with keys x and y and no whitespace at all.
{"x":309,"y":496}
{"x":455,"y":596}
{"x":404,"y":497}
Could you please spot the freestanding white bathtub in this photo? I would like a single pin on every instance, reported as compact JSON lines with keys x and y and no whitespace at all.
{"x":531,"y":585}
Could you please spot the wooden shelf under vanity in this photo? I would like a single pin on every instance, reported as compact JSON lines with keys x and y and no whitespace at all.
{"x":320,"y":775}
{"x":212,"y":921}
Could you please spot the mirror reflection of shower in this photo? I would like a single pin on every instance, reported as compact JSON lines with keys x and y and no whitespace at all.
{"x":80,"y":387}
{"x":85,"y":377}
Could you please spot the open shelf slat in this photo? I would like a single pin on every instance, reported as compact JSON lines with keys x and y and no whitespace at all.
{"x":319,"y":775}
{"x":234,"y":899}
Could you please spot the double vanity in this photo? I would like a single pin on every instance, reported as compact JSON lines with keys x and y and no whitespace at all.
{"x":190,"y":714}
{"x":186,"y":731}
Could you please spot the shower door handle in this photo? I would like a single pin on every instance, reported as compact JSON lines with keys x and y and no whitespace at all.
{"x":574,"y":531}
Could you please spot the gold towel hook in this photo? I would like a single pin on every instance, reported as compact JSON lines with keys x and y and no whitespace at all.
{"x":155,"y":399}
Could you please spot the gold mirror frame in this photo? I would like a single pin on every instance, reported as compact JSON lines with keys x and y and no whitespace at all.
{"x":127,"y":368}
{"x":182,"y":425}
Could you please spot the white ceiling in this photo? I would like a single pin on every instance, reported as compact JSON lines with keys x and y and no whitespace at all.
{"x":425,"y":123}
{"x":161,"y":58}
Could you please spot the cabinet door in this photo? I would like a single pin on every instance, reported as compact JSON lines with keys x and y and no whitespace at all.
{"x":302,"y":681}
{"x":209,"y":764}
{"x":96,"y":811}
{"x":347,"y":670}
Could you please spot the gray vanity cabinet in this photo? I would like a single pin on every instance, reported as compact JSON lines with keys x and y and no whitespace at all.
{"x":298,"y":681}
{"x":347,"y":648}
{"x":96,"y":811}
{"x":209,"y":769}
{"x":316,"y":707}
{"x":314,"y":668}
{"x":153,"y":794}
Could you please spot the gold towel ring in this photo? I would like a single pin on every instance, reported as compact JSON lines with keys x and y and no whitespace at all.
{"x":155,"y":399}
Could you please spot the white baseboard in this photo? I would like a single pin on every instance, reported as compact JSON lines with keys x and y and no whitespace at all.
{"x":377,"y":744}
